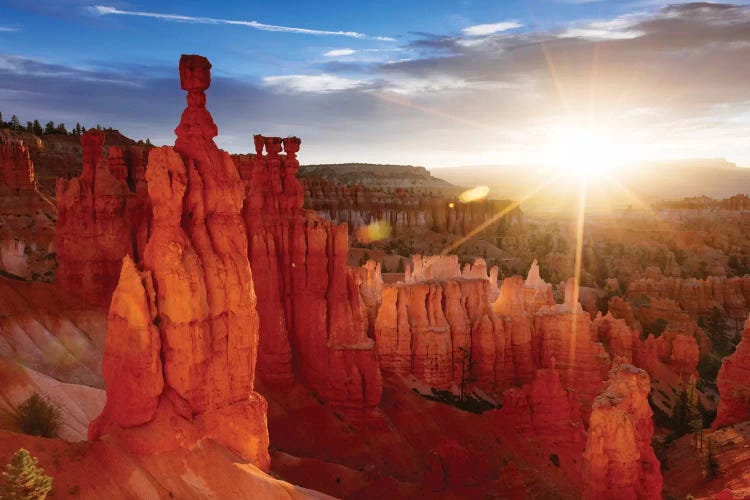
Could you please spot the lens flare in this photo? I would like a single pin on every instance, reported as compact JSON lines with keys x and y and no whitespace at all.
{"x":375,"y":231}
{"x":474,"y":194}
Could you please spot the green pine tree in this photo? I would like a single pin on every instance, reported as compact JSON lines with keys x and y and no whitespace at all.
{"x":23,"y":479}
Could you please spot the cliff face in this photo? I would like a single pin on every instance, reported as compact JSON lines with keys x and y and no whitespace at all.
{"x":402,"y":207}
{"x":619,"y":462}
{"x":445,"y":327}
{"x":26,"y":218}
{"x":733,"y":383}
{"x":16,"y":168}
{"x":313,"y":320}
{"x":99,"y":222}
{"x":698,"y":297}
{"x":182,"y":335}
{"x":544,"y":408}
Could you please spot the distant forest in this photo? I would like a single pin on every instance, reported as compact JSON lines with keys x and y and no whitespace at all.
{"x":50,"y":128}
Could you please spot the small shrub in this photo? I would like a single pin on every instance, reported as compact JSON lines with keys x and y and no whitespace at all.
{"x":38,"y":417}
{"x":23,"y":479}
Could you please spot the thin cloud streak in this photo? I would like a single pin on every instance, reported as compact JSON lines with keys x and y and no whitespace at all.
{"x":8,"y":29}
{"x":490,"y":29}
{"x":104,"y":10}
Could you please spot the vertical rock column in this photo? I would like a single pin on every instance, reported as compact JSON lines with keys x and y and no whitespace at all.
{"x":94,"y":231}
{"x":16,"y":167}
{"x":619,"y":462}
{"x":313,"y":321}
{"x":733,"y":382}
{"x":195,"y":378}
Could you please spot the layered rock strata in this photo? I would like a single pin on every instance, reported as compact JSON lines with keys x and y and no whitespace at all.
{"x":619,"y":462}
{"x":406,"y":208}
{"x":313,"y":322}
{"x":696,"y":296}
{"x":733,"y":383}
{"x":445,"y":329}
{"x":182,"y":335}
{"x":99,"y":222}
{"x":16,"y":167}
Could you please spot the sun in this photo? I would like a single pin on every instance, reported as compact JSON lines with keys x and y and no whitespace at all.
{"x":578,"y":152}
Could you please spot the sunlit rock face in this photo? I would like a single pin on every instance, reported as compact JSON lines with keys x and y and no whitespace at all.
{"x":696,"y":296}
{"x":619,"y":462}
{"x":437,"y":321}
{"x":405,"y":208}
{"x":16,"y":168}
{"x":563,"y":332}
{"x":441,"y":323}
{"x":313,"y":322}
{"x":99,"y":222}
{"x":733,"y":382}
{"x":26,"y":218}
{"x":182,"y":335}
{"x":615,"y":335}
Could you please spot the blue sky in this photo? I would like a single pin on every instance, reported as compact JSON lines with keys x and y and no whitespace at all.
{"x":433,"y":82}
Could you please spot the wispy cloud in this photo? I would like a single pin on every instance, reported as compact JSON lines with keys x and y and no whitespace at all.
{"x":312,"y":83}
{"x":8,"y":29}
{"x":360,"y":52}
{"x":490,"y":29}
{"x":577,"y":2}
{"x":620,"y":28}
{"x":339,"y":52}
{"x":104,"y":10}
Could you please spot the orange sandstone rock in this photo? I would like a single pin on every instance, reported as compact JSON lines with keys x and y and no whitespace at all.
{"x":16,"y":167}
{"x":313,"y":321}
{"x":733,"y":383}
{"x":619,"y":462}
{"x":97,"y":225}
{"x":615,"y":335}
{"x":452,"y":465}
{"x":183,"y":333}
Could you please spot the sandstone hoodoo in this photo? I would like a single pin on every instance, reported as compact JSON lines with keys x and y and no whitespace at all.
{"x":446,"y":326}
{"x":619,"y":461}
{"x":99,"y":222}
{"x":313,"y":322}
{"x":16,"y":168}
{"x":733,"y":383}
{"x":182,"y":337}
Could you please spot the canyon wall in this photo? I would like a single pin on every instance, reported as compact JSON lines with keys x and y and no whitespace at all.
{"x":313,"y":322}
{"x":16,"y":167}
{"x":446,"y":327}
{"x":27,"y":218}
{"x":99,"y":222}
{"x":404,"y":208}
{"x":182,"y":334}
{"x":696,"y":296}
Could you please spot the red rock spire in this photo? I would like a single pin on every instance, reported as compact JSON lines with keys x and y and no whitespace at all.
{"x":16,"y":167}
{"x":196,"y":290}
